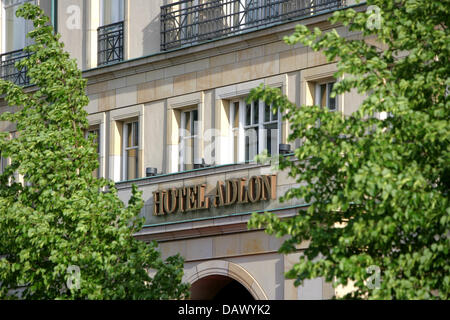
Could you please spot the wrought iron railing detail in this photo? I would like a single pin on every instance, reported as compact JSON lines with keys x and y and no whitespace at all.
{"x":8,"y":70}
{"x":110,"y":44}
{"x":193,"y":21}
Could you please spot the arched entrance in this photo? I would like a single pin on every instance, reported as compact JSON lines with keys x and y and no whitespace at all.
{"x":217,"y":279}
{"x":219,"y":288}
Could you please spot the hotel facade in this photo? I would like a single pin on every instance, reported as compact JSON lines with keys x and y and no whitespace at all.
{"x":167,"y":82}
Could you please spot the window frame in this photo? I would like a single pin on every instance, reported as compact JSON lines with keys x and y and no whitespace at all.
{"x":3,"y":163}
{"x":125,"y":148}
{"x":259,"y":10}
{"x":185,"y":35}
{"x":102,"y":16}
{"x":244,"y":155}
{"x":193,"y":128}
{"x":28,"y":26}
{"x":237,"y":144}
{"x":318,"y":91}
{"x":91,"y":129}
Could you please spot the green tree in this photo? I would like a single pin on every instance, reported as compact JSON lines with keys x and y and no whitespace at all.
{"x":62,"y":216}
{"x":379,"y":189}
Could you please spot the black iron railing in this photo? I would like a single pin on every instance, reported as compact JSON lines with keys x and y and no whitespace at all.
{"x":192,"y":21}
{"x":110,"y":44}
{"x":8,"y":70}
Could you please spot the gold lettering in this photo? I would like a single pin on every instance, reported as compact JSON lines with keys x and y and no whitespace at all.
{"x":181,"y":199}
{"x":231,"y":191}
{"x":158,"y":205}
{"x":273,"y":185}
{"x":266,"y":187}
{"x":203,"y":203}
{"x":242,"y":191}
{"x":219,"y":197}
{"x":254,"y":189}
{"x":170,"y":201}
{"x":191,"y":198}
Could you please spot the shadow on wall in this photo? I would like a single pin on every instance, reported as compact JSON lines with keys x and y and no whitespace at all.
{"x":151,"y":37}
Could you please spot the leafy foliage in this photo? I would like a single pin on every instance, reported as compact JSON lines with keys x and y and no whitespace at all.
{"x":378,"y":188}
{"x":62,"y":216}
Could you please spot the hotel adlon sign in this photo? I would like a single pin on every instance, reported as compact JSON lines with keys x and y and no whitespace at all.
{"x":226,"y":193}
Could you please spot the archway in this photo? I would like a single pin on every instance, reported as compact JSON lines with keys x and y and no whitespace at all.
{"x":219,"y":288}
{"x":219,"y":277}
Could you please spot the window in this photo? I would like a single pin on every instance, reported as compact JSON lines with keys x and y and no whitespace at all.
{"x":3,"y":164}
{"x":130,"y":153}
{"x":261,"y":10}
{"x":14,"y":40}
{"x":110,"y":33}
{"x":112,"y":11}
{"x":323,"y":96}
{"x":204,"y":19}
{"x":189,"y":19}
{"x":212,"y":18}
{"x":94,"y":135}
{"x":251,"y":130}
{"x":271,"y":132}
{"x":189,"y":140}
{"x":295,"y":8}
{"x":254,"y":128}
{"x":15,"y":29}
{"x":234,"y":119}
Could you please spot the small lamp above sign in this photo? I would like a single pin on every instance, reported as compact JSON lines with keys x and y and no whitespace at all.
{"x":201,"y":165}
{"x":285,"y":148}
{"x":151,"y":172}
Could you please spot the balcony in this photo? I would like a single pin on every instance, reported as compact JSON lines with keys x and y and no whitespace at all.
{"x":189,"y":22}
{"x":110,"y":44}
{"x":8,"y":70}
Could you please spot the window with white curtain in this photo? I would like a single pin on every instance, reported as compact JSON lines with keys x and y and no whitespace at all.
{"x":112,"y":11}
